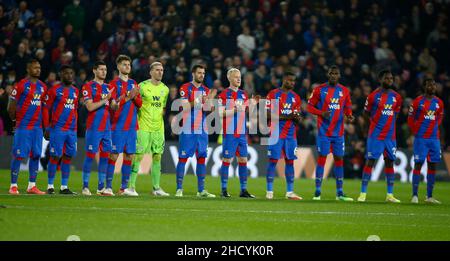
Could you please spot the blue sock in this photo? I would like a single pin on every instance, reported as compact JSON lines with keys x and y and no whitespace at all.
{"x":110,"y":173}
{"x":33,"y":168}
{"x":224,"y":175}
{"x":126,"y":172}
{"x":243,"y":173}
{"x":102,"y":167}
{"x":339,"y":175}
{"x":201,"y":173}
{"x":319,"y":174}
{"x":52,"y":165}
{"x":415,"y":182}
{"x":87,"y":169}
{"x":65,"y":172}
{"x":430,"y":182}
{"x":367,"y":172}
{"x":389,"y":179}
{"x":289,"y":174}
{"x":15,"y":168}
{"x":271,"y":173}
{"x":180,"y":172}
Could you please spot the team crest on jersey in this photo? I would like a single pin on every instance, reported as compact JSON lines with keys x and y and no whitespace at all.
{"x":393,"y":99}
{"x":293,"y":99}
{"x":42,"y":89}
{"x":437,"y":106}
{"x":340,"y":94}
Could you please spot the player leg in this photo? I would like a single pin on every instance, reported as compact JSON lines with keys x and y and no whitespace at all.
{"x":373,"y":152}
{"x":21,"y":150}
{"x":433,"y":158}
{"x":157,"y":149}
{"x":242,"y":155}
{"x":420,"y":152}
{"x":338,"y":148}
{"x":104,"y":163}
{"x":142,"y":147}
{"x":56,"y":148}
{"x":229,"y":147}
{"x":274,"y":154}
{"x":323,"y":149}
{"x":130,"y":151}
{"x":202,"y":152}
{"x":389,"y":158}
{"x":290,"y":148}
{"x":69,"y":153}
{"x":36,"y":150}
{"x":186,"y":150}
{"x":92,"y":144}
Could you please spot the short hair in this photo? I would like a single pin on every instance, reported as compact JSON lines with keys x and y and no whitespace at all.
{"x":232,"y":70}
{"x":65,"y":67}
{"x":155,"y":64}
{"x":383,"y":72}
{"x":122,"y":57}
{"x":98,"y":64}
{"x":197,"y":66}
{"x":427,"y":79}
{"x":31,"y":61}
{"x":289,"y":73}
{"x":333,"y":67}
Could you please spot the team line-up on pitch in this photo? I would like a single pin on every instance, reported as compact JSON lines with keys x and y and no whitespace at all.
{"x":126,"y":117}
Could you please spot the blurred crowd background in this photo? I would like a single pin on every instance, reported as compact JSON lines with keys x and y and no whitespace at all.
{"x":263,"y":38}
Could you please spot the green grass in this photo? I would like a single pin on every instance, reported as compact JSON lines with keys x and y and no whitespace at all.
{"x":55,"y":217}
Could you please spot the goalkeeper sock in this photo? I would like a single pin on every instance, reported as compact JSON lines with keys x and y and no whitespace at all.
{"x":156,"y":170}
{"x":136,"y":162}
{"x":270,"y":176}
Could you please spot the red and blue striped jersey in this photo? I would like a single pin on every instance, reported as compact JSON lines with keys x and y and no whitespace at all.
{"x":62,"y":102}
{"x":383,"y":107}
{"x":195,"y":117}
{"x":29,"y":97}
{"x":287,"y":103}
{"x":99,"y":119}
{"x":335,"y":99}
{"x":425,"y":116}
{"x":235,"y":124}
{"x":125,"y":118}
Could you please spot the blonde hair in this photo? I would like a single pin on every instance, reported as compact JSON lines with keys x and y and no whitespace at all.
{"x":231,"y":71}
{"x":155,"y":64}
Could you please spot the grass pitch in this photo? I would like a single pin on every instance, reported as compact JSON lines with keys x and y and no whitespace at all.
{"x":56,"y":217}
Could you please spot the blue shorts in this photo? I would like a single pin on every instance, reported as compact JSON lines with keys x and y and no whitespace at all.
{"x":234,"y":146}
{"x":63,"y":142}
{"x":335,"y":145}
{"x":94,"y":138}
{"x":377,"y":147}
{"x":27,"y":143}
{"x":124,"y":141}
{"x":287,"y":146}
{"x":193,"y":143}
{"x":427,"y":149}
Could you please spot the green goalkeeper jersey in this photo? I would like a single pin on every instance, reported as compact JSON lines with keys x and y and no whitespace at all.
{"x":154,"y":98}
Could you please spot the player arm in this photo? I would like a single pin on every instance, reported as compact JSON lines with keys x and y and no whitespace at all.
{"x":440,"y":115}
{"x":46,"y":109}
{"x":312,"y":103}
{"x":12,"y":103}
{"x":412,"y":116}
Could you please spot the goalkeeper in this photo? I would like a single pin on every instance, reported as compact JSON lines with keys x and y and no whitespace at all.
{"x":150,"y":136}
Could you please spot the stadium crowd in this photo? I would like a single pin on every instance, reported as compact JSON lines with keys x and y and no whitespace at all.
{"x":263,"y":38}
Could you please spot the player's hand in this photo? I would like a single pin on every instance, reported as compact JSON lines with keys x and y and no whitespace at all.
{"x":133,"y":93}
{"x":108,"y":96}
{"x":47,"y":134}
{"x":212,"y":94}
{"x":326,"y":114}
{"x":350,"y":118}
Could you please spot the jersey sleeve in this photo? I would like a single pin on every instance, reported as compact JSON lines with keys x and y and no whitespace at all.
{"x":17,"y":91}
{"x":312,"y":102}
{"x":166,"y":96}
{"x":412,"y":114}
{"x":269,"y":99}
{"x":398,"y":104}
{"x":184,"y":92}
{"x":87,"y":93}
{"x":297,"y":104}
{"x":369,"y":103}
{"x":348,"y":104}
{"x":112,"y":87}
{"x":222,"y":99}
{"x":49,"y":98}
{"x":440,"y":112}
